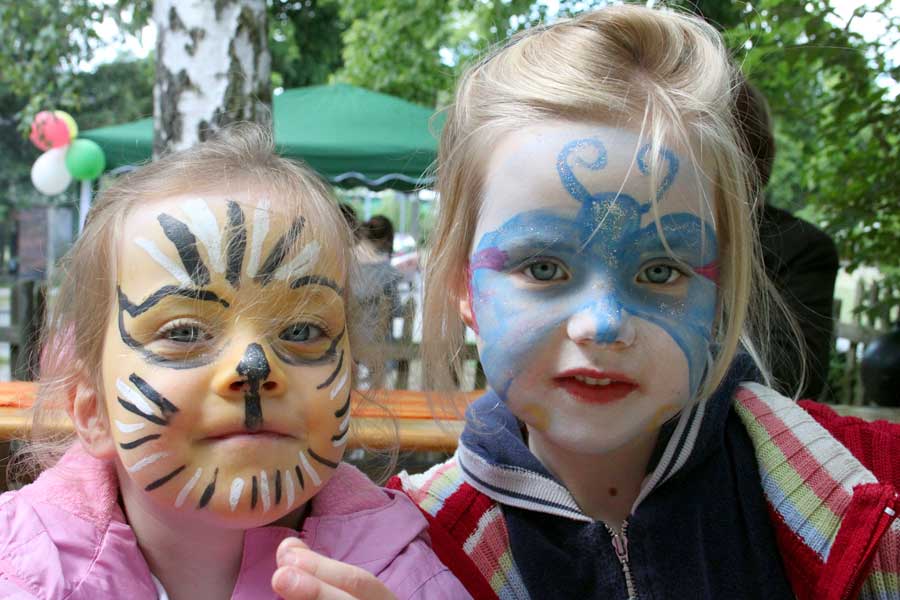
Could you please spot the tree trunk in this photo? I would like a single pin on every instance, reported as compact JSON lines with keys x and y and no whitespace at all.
{"x":212,"y":68}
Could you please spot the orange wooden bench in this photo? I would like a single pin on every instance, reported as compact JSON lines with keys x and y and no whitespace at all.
{"x":417,"y":429}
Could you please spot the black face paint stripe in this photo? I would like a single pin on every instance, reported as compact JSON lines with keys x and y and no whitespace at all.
{"x":334,"y":373}
{"x":153,"y":396}
{"x":279,"y":252}
{"x":139,"y":441}
{"x":134,"y":409}
{"x":255,"y":368}
{"x":299,"y":475}
{"x":237,"y":244}
{"x":326,"y":356}
{"x":317,"y":280}
{"x":340,"y":435}
{"x":339,"y":413}
{"x":209,"y":491}
{"x":321,"y":459}
{"x":125,"y":305}
{"x":278,"y":486}
{"x":254,"y":494}
{"x":164,"y":292}
{"x":186,"y":244}
{"x":164,"y":480}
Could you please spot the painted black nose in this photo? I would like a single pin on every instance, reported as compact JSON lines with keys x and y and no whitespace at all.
{"x":254,"y":367}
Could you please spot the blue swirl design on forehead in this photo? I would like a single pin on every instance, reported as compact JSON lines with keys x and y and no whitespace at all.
{"x":604,"y":246}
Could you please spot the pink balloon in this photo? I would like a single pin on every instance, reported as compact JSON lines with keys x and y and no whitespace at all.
{"x":49,"y":131}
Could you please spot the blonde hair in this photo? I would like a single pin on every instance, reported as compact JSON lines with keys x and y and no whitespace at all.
{"x":240,"y":157}
{"x":667,"y":71}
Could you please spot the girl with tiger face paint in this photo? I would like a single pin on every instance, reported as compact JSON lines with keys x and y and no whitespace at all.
{"x":202,"y":343}
{"x":226,"y":365}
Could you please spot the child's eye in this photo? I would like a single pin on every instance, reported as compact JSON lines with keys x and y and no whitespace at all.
{"x":301,"y":332}
{"x":184,"y":332}
{"x":544,"y":270}
{"x":659,"y":274}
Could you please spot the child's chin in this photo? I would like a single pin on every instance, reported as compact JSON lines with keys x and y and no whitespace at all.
{"x":246,"y":517}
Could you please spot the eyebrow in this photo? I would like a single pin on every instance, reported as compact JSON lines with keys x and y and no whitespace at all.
{"x":533,"y":241}
{"x":317,"y":280}
{"x":164,"y":292}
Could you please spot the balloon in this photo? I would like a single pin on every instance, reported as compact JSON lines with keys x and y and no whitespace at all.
{"x":85,"y":159}
{"x":49,"y":174}
{"x":49,"y":131}
{"x":69,"y":121}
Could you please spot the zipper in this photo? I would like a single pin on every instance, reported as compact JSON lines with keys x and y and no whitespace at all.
{"x":620,"y":545}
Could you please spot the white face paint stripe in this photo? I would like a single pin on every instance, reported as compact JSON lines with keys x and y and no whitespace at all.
{"x":345,"y":423}
{"x":147,"y":460}
{"x":340,"y":384}
{"x":128,"y":427}
{"x":260,"y":229}
{"x":234,"y":495}
{"x":308,"y":468}
{"x":134,"y":397}
{"x":183,"y":494}
{"x":264,"y":490}
{"x":300,"y":264}
{"x":341,"y":440}
{"x":176,"y":270}
{"x":289,"y":482}
{"x":205,"y":227}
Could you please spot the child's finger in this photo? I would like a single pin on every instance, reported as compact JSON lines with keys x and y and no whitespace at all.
{"x":356,"y":582}
{"x":293,"y":583}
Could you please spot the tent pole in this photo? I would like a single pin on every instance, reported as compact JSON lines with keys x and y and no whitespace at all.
{"x":84,"y":203}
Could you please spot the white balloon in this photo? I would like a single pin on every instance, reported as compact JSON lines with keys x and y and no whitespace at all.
{"x":49,"y":173}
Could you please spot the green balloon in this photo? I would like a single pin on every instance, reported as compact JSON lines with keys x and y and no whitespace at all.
{"x":85,"y":159}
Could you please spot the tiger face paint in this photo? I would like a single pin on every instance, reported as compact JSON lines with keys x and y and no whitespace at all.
{"x":226,"y":363}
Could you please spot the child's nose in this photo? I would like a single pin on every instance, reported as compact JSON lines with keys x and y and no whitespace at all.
{"x":604,"y":322}
{"x":247,"y":368}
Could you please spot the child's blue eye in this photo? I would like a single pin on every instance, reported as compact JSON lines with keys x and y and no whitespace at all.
{"x":185,"y":333}
{"x":659,"y":274}
{"x":544,"y":270}
{"x":301,"y":332}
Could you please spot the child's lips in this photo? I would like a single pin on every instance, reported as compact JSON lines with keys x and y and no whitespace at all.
{"x":595,"y":387}
{"x":247,"y":435}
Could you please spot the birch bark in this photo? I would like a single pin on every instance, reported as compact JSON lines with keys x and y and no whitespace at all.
{"x":213,"y":68}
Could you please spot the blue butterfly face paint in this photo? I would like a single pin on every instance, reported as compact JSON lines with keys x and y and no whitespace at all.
{"x":589,"y":324}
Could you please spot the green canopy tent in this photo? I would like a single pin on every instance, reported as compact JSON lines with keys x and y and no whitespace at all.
{"x":350,"y":135}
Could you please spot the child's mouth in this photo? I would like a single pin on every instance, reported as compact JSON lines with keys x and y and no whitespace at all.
{"x":595,"y":387}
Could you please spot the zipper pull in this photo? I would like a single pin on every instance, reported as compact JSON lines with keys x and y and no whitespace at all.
{"x":620,"y":545}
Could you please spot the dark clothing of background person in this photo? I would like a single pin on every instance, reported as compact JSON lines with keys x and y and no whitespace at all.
{"x":802,"y":262}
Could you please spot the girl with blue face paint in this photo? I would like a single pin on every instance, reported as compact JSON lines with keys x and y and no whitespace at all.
{"x":595,"y":233}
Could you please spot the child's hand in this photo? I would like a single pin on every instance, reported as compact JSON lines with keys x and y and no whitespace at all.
{"x":304,"y":575}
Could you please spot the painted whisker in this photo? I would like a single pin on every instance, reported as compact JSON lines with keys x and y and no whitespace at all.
{"x":309,"y":469}
{"x":183,"y":494}
{"x":146,"y":461}
{"x":299,"y":475}
{"x":234,"y":494}
{"x":139,"y":441}
{"x":289,"y":483}
{"x":209,"y":491}
{"x":339,"y":385}
{"x":164,"y":480}
{"x":334,"y":373}
{"x":343,"y":409}
{"x":264,"y":490}
{"x":277,"y":486}
{"x":254,"y":493}
{"x":322,"y":460}
{"x":135,"y":410}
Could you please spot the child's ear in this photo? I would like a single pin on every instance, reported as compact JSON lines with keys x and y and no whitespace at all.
{"x":464,"y":291}
{"x":465,"y":312}
{"x":91,"y":423}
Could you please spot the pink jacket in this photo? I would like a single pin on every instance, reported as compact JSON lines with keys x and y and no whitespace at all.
{"x":65,"y":537}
